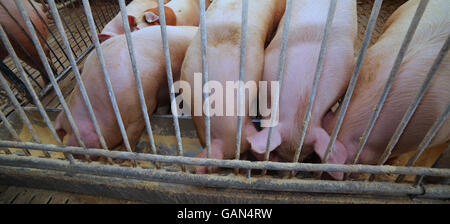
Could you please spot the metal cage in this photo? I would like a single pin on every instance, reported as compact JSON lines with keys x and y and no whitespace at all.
{"x":33,"y":155}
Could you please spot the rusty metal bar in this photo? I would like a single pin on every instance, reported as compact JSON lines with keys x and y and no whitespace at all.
{"x":112,"y":97}
{"x":281,"y":64}
{"x":137,"y":76}
{"x":296,"y":185}
{"x":73,"y":63}
{"x":241,"y":164}
{"x":401,"y":54}
{"x":318,"y":71}
{"x":168,"y":63}
{"x":348,"y":95}
{"x":49,"y":71}
{"x":241,"y":95}
{"x":205,"y":77}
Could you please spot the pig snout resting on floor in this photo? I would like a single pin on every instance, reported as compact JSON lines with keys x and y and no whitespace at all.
{"x":178,"y":13}
{"x":150,"y":61}
{"x":21,"y":41}
{"x":304,"y":41}
{"x":223,"y":25}
{"x":432,"y":32}
{"x":135,"y":11}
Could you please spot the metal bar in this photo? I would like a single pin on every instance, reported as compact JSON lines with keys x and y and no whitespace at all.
{"x":70,"y":31}
{"x":10,"y":129}
{"x":41,"y":53}
{"x":241,"y":164}
{"x":66,"y":71}
{"x":28,"y":85}
{"x":173,"y":102}
{"x":241,"y":96}
{"x":401,"y":54}
{"x":281,"y":63}
{"x":35,"y":63}
{"x":82,"y":24}
{"x":46,"y":25}
{"x":29,"y":57}
{"x":319,"y":68}
{"x":419,"y":179}
{"x":412,"y":108}
{"x":109,"y":87}
{"x":205,"y":77}
{"x":428,"y":137}
{"x":348,"y":95}
{"x":296,"y":185}
{"x":76,"y":72}
{"x":137,"y":76}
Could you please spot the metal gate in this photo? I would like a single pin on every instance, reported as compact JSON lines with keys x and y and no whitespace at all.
{"x":33,"y":154}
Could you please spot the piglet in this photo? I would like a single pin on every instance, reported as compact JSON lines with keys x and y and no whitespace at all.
{"x":223,"y":25}
{"x":178,"y":13}
{"x":151,"y":64}
{"x":306,"y":32}
{"x":20,"y":39}
{"x":135,"y":11}
{"x":432,"y":32}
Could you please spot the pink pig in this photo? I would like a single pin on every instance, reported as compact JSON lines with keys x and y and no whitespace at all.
{"x":150,"y":61}
{"x":178,"y":13}
{"x":15,"y":33}
{"x":305,"y":35}
{"x":432,"y":32}
{"x":135,"y":11}
{"x":223,"y":24}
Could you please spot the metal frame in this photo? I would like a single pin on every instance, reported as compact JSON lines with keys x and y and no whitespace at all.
{"x":254,"y":183}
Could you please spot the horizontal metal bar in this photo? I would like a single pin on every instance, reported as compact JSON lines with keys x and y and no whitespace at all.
{"x":261,"y":165}
{"x":296,"y":185}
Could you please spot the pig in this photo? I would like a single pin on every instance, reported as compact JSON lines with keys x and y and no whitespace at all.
{"x":151,"y":64}
{"x":304,"y":41}
{"x":431,"y":33}
{"x":135,"y":11}
{"x":21,"y":41}
{"x":223,"y":24}
{"x":178,"y":13}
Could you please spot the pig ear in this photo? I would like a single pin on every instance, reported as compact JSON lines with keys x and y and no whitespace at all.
{"x":151,"y":17}
{"x":338,"y":153}
{"x":258,"y":141}
{"x":133,"y":23}
{"x":102,"y":37}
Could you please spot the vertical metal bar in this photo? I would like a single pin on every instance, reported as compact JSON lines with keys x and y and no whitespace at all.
{"x":10,"y":129}
{"x":137,"y":77}
{"x":241,"y":96}
{"x":419,"y":179}
{"x":427,"y":140}
{"x":401,"y":54}
{"x":41,"y":53}
{"x":173,"y":102}
{"x":281,"y":64}
{"x":412,"y":108}
{"x":205,"y":70}
{"x":348,"y":95}
{"x":28,"y":85}
{"x":65,"y":41}
{"x":319,"y":68}
{"x":87,"y":9}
